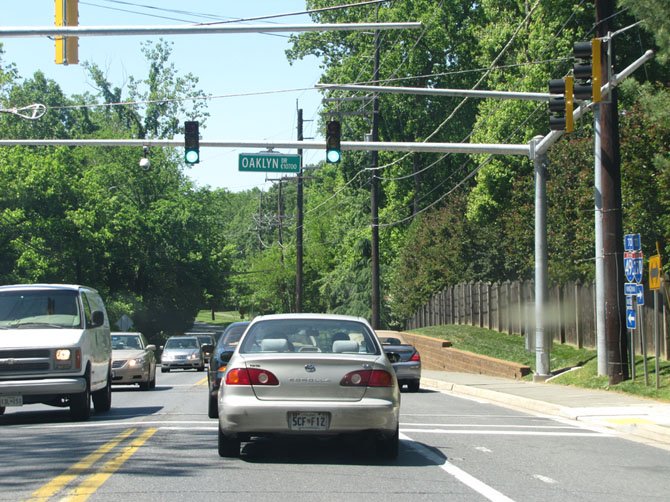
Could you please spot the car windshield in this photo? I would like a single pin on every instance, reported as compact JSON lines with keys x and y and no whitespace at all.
{"x":126,"y":342}
{"x":181,"y":343}
{"x":39,"y":309}
{"x":232,"y":335}
{"x":309,"y":335}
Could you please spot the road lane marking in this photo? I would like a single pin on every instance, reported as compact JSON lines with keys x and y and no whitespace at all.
{"x":467,"y":479}
{"x":201,"y":382}
{"x":59,"y":482}
{"x":509,"y":433}
{"x":91,"y":484}
{"x":493,"y":426}
{"x":545,"y":479}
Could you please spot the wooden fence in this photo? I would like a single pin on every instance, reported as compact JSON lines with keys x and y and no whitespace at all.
{"x":509,"y":307}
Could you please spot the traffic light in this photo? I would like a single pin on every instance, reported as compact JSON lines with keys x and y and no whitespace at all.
{"x":587,"y":70}
{"x":333,"y":152}
{"x":191,"y":142}
{"x":67,"y":48}
{"x":561,"y":106}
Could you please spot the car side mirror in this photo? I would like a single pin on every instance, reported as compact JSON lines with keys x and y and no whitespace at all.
{"x":224,"y":357}
{"x":97,"y":319}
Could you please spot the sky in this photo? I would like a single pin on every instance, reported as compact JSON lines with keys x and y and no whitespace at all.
{"x":246,"y":69}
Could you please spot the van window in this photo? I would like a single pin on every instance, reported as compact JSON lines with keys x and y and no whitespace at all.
{"x":39,"y":308}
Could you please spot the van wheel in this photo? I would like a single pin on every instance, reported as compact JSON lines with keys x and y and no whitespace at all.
{"x":80,"y":404}
{"x":102,"y":399}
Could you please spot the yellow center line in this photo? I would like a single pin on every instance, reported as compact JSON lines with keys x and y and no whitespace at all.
{"x":202,"y":382}
{"x":59,"y":482}
{"x":89,"y":485}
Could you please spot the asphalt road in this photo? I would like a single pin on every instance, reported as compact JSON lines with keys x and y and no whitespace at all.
{"x":160,"y":445}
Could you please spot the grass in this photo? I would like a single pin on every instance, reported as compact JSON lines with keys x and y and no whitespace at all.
{"x":513,"y":348}
{"x":220,"y":318}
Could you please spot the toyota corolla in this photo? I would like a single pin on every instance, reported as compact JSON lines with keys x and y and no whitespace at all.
{"x":308,"y":374}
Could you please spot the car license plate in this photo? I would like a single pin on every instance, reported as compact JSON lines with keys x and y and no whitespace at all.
{"x":11,"y":400}
{"x":308,"y":421}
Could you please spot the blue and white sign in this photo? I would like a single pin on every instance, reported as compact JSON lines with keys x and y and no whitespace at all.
{"x":629,"y":302}
{"x":628,"y":265}
{"x":632,"y":242}
{"x":630,"y":289}
{"x":638,"y":266}
{"x":640,"y":294}
{"x":631,"y":319}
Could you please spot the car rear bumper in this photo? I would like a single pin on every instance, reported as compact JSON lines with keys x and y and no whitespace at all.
{"x":407,"y":371}
{"x":248,"y":415}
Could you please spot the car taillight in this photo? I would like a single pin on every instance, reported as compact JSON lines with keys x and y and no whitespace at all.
{"x":252,"y":376}
{"x":367,"y":378}
{"x":415,"y":357}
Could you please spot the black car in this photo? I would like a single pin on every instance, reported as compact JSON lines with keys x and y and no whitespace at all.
{"x":218,"y":360}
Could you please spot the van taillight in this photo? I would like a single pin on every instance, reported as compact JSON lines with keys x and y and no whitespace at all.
{"x":251,"y":376}
{"x":367,"y":378}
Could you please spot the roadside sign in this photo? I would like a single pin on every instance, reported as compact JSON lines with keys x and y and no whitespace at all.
{"x":632,"y":242}
{"x":271,"y":162}
{"x":630,"y":289}
{"x":629,"y":302}
{"x":628,"y":265}
{"x":638,"y":266}
{"x":655,"y":272}
{"x":631,"y":319}
{"x":640,"y":294}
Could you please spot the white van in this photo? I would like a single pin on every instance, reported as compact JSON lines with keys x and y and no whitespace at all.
{"x":55,"y":348}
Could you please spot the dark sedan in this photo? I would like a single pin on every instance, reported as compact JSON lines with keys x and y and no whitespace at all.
{"x":405,"y":358}
{"x":218,"y":360}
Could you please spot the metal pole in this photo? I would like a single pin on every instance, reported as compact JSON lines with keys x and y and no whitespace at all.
{"x":657,"y":340}
{"x":601,"y":342}
{"x":542,"y":344}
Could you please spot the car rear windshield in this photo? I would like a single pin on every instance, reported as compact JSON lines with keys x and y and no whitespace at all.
{"x":39,"y":309}
{"x":309,"y":335}
{"x":232,"y":336}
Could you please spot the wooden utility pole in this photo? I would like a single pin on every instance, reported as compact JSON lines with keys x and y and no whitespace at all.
{"x":612,"y":218}
{"x":374,"y":198}
{"x":298,"y":230}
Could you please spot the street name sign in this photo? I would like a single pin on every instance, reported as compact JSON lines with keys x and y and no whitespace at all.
{"x":269,"y":162}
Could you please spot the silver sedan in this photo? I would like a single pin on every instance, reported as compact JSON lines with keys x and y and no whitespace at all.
{"x":308,"y":374}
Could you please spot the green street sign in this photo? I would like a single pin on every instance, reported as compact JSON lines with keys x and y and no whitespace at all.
{"x":269,"y":162}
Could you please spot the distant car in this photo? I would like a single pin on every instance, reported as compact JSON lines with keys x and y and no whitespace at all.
{"x":308,"y":375}
{"x":407,"y":364}
{"x":133,"y":360}
{"x":218,"y":361}
{"x":206,"y":339}
{"x":182,"y":352}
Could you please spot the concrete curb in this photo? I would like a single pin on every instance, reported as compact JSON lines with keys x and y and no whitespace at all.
{"x":647,"y":431}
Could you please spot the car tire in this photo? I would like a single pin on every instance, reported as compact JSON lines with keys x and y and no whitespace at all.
{"x":80,"y":404}
{"x":201,"y":368}
{"x":145,"y":385}
{"x":152,"y":383}
{"x":213,"y":407}
{"x":165,"y":370}
{"x":388,"y":445}
{"x":229,"y":447}
{"x":2,"y":410}
{"x":414,"y":386}
{"x":102,"y":399}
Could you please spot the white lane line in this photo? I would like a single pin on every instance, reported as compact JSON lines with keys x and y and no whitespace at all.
{"x":545,"y":479}
{"x":408,"y":424}
{"x":483,"y":449}
{"x":508,"y":433}
{"x":470,"y":481}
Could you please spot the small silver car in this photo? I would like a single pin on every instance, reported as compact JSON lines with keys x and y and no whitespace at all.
{"x":133,"y":360}
{"x":405,"y":358}
{"x":182,"y":352}
{"x":308,"y":374}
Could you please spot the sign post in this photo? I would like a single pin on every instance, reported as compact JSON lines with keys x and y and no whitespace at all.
{"x":655,"y":285}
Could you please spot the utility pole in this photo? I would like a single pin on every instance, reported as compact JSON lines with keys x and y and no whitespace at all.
{"x":374,"y":195}
{"x":612,"y":218}
{"x":298,"y":230}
